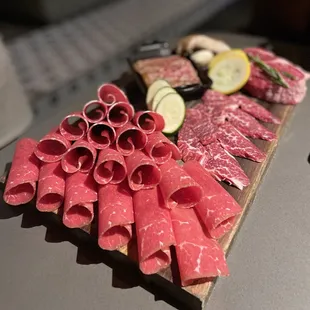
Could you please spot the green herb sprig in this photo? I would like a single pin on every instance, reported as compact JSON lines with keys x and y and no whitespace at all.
{"x":274,"y":75}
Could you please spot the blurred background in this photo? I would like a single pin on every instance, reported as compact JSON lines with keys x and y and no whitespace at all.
{"x":58,"y":51}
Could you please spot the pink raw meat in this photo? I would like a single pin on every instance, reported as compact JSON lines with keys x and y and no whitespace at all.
{"x":225,"y":167}
{"x":80,"y":157}
{"x":51,"y":187}
{"x":52,"y":147}
{"x":161,"y":149}
{"x":261,"y":86}
{"x":153,"y":229}
{"x":95,"y":111}
{"x":74,"y":126}
{"x":101,"y":135}
{"x":250,"y":127}
{"x":198,"y":255}
{"x":217,"y":209}
{"x":143,"y":173}
{"x":177,"y":187}
{"x":237,"y":144}
{"x":120,"y":113}
{"x":115,"y":216}
{"x":24,"y":173}
{"x":110,"y":93}
{"x":110,"y":167}
{"x":149,"y":121}
{"x":80,"y":195}
{"x":130,"y":138}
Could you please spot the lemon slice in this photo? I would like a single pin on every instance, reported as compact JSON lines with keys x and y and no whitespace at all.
{"x":229,"y":71}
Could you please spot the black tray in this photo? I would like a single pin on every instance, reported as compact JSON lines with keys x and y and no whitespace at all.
{"x":157,"y":49}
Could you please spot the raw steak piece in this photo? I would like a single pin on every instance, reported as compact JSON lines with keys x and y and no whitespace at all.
{"x":143,"y":173}
{"x":149,"y":121}
{"x":24,"y":173}
{"x":52,"y":147}
{"x":110,"y":93}
{"x":198,"y":255}
{"x":110,"y":167}
{"x":51,"y":187}
{"x":130,"y":138}
{"x":225,"y":167}
{"x":80,"y":157}
{"x":261,"y":86}
{"x":153,"y":229}
{"x":217,"y":209}
{"x":95,"y":111}
{"x":115,"y":216}
{"x":177,"y":187}
{"x":74,"y":126}
{"x":247,"y":125}
{"x":161,"y":149}
{"x":101,"y":135}
{"x":237,"y":144}
{"x":80,"y":195}
{"x":120,"y":113}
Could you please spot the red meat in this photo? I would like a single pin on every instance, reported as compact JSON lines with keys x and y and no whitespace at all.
{"x":101,"y":135}
{"x":115,"y":216}
{"x":95,"y":111}
{"x":74,"y":126}
{"x":110,"y":93}
{"x":120,"y":113}
{"x":153,"y":229}
{"x":51,"y":187}
{"x":24,"y":173}
{"x":149,"y":121}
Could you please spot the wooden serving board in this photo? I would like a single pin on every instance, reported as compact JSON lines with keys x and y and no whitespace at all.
{"x":195,"y":296}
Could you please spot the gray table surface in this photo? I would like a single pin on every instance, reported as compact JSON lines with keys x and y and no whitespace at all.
{"x":269,"y":261}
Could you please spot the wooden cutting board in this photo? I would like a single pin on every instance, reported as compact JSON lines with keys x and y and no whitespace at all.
{"x":195,"y":296}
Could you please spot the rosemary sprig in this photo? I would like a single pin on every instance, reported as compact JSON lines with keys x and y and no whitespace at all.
{"x":288,"y":75}
{"x":274,"y":75}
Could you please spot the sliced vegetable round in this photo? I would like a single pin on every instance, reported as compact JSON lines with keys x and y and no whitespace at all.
{"x":154,"y":88}
{"x":229,"y":71}
{"x":172,"y":108}
{"x":161,"y":94}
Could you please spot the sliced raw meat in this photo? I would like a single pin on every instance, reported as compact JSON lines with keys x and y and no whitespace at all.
{"x":255,"y":109}
{"x":51,"y":187}
{"x":225,"y":167}
{"x":143,"y":173}
{"x":149,"y":121}
{"x":80,"y":195}
{"x":24,"y":173}
{"x":52,"y":147}
{"x":110,"y":167}
{"x":161,"y":149}
{"x":211,"y":96}
{"x":80,"y":157}
{"x":177,"y":187}
{"x":101,"y":135}
{"x":130,"y":138}
{"x":198,"y":255}
{"x":120,"y":113}
{"x":95,"y":111}
{"x":261,"y":86}
{"x":115,"y":216}
{"x":110,"y":93}
{"x":237,"y":144}
{"x":153,"y":229}
{"x":217,"y":209}
{"x":250,"y":127}
{"x":74,"y":126}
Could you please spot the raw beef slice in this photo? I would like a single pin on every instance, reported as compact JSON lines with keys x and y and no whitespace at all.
{"x":217,"y":209}
{"x":149,"y":121}
{"x":143,"y":172}
{"x":80,"y":195}
{"x":115,"y":216}
{"x":95,"y":111}
{"x":177,"y":187}
{"x":24,"y":173}
{"x":198,"y":255}
{"x":101,"y":135}
{"x":74,"y":126}
{"x":110,"y":167}
{"x":110,"y":93}
{"x":120,"y":114}
{"x":153,"y":229}
{"x":51,"y":187}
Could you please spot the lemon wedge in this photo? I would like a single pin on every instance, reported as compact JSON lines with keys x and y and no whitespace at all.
{"x":229,"y":71}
